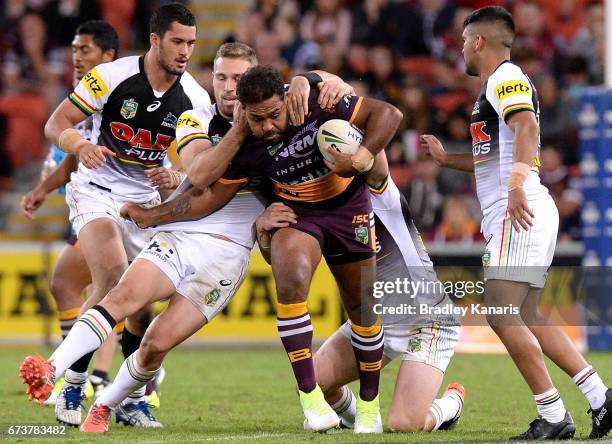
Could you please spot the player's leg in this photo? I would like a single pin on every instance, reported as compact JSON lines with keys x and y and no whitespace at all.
{"x":69,"y":279}
{"x":355,"y":281}
{"x":199,"y":297}
{"x":295,"y":256}
{"x":335,"y":368}
{"x":514,"y":262}
{"x":177,"y":322}
{"x":102,"y":362}
{"x":561,"y":350}
{"x":524,"y":349}
{"x":142,"y":284}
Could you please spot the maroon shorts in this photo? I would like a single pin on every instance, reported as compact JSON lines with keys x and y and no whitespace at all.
{"x":344,"y":230}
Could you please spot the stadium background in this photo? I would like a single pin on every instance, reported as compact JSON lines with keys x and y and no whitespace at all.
{"x":405,"y":52}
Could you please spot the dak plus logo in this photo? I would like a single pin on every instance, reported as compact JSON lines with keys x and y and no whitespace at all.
{"x":128,"y":109}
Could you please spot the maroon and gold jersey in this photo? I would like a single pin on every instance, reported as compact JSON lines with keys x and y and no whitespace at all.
{"x":295,"y":164}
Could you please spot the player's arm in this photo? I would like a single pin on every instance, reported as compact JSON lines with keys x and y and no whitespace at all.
{"x":526,"y":140}
{"x":277,"y":215}
{"x":58,"y":177}
{"x":379,"y":121}
{"x":455,"y":161}
{"x":207,"y":163}
{"x":192,"y":204}
{"x":331,"y":89}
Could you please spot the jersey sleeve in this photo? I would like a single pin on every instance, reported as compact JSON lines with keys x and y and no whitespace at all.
{"x":510,"y":91}
{"x":192,"y":125}
{"x":348,"y":108}
{"x":92,"y":92}
{"x":237,"y":172}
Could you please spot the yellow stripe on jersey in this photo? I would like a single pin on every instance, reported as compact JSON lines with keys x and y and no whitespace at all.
{"x":381,"y":188}
{"x":189,"y":138}
{"x":81,"y":104}
{"x":516,"y":107}
{"x":94,"y":84}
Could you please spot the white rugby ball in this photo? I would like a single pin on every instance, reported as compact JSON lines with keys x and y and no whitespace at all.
{"x":339,"y":135}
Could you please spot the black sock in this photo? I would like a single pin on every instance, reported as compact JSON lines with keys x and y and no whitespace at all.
{"x":129,"y":343}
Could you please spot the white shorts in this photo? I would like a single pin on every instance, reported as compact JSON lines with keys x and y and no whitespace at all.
{"x":523,"y":256}
{"x":432,"y":344}
{"x":87,"y":203}
{"x":206,"y":270}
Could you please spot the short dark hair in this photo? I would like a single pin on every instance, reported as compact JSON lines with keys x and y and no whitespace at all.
{"x":237,"y":50}
{"x":260,"y":83}
{"x":104,"y":35}
{"x":491,"y":14}
{"x":165,"y":15}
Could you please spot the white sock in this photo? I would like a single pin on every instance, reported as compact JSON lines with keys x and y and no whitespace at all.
{"x":550,"y":406}
{"x":445,"y":408}
{"x":346,"y":407}
{"x":85,"y":336}
{"x":591,"y":386}
{"x":130,"y":377}
{"x":75,"y":379}
{"x":136,"y":396}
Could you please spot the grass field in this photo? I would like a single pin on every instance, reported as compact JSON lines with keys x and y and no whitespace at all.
{"x":247,"y":395}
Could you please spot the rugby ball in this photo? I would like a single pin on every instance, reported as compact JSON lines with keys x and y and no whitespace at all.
{"x":339,"y":135}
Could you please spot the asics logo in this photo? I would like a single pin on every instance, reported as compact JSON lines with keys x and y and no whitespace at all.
{"x":600,"y":417}
{"x":153,"y":106}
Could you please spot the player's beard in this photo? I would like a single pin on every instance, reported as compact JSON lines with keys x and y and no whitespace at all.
{"x":167,"y":66}
{"x":471,"y":70}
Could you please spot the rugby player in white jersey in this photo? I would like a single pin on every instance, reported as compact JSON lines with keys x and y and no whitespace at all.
{"x":520,"y":225}
{"x":135,"y":103}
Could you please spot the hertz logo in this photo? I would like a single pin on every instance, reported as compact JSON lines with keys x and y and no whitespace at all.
{"x":187,"y":120}
{"x":94,"y":84}
{"x":512,"y":88}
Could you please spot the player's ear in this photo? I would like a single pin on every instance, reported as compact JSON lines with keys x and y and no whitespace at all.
{"x":479,"y":42}
{"x":108,"y":55}
{"x":154,"y":39}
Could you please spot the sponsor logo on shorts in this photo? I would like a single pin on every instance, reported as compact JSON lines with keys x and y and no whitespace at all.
{"x":212,"y":297}
{"x":161,"y":250}
{"x":486,"y":258}
{"x":414,"y":345}
{"x":225,"y":282}
{"x":94,"y":84}
{"x":362,"y":235}
{"x":129,"y":108}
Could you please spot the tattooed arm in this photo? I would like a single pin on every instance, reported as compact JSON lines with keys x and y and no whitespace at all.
{"x":192,"y":204}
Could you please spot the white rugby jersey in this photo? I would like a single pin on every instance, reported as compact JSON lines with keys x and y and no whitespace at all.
{"x":132,"y":120}
{"x":506,"y":92}
{"x":236,"y":219}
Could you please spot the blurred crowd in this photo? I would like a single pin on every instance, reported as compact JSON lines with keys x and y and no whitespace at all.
{"x":404,"y":52}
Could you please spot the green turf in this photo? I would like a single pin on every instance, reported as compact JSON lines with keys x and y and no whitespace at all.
{"x":243,"y":395}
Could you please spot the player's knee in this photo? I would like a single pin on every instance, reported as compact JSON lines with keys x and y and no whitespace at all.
{"x":406,"y":422}
{"x":120,"y":299}
{"x":291,"y":291}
